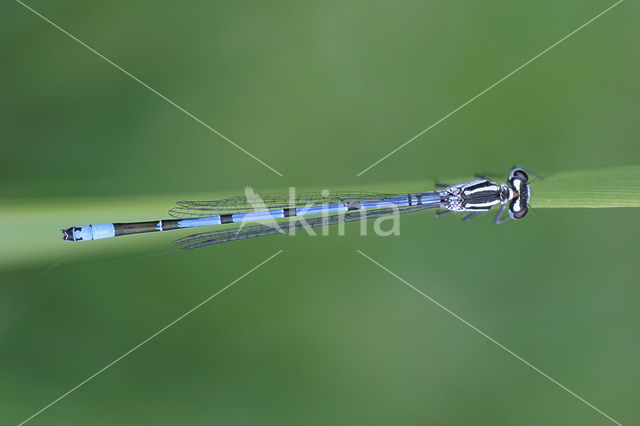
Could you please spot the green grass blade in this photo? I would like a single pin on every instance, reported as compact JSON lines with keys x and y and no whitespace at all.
{"x":31,"y":228}
{"x":598,"y":188}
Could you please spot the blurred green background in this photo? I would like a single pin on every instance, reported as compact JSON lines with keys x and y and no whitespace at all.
{"x":319,"y":91}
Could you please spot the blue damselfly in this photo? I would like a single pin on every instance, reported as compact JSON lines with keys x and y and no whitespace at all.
{"x":293,"y":212}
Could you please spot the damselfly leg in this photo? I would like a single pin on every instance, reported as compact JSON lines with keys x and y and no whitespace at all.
{"x":499,"y":219}
{"x":442,"y":213}
{"x":470,"y":216}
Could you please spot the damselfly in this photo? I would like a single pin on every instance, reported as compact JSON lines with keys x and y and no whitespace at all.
{"x":312,"y":210}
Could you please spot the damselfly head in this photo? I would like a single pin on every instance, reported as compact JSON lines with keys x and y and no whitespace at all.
{"x":519,"y":182}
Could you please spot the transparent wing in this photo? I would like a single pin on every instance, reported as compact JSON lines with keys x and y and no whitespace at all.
{"x":221,"y":236}
{"x":250,"y":201}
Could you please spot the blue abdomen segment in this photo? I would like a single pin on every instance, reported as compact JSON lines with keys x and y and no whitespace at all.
{"x":201,"y":221}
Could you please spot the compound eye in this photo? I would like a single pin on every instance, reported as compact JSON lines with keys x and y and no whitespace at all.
{"x":517,"y":209}
{"x":517,"y":172}
{"x":516,"y":183}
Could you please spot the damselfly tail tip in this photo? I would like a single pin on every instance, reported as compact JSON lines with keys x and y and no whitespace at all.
{"x":80,"y":233}
{"x":67,"y":234}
